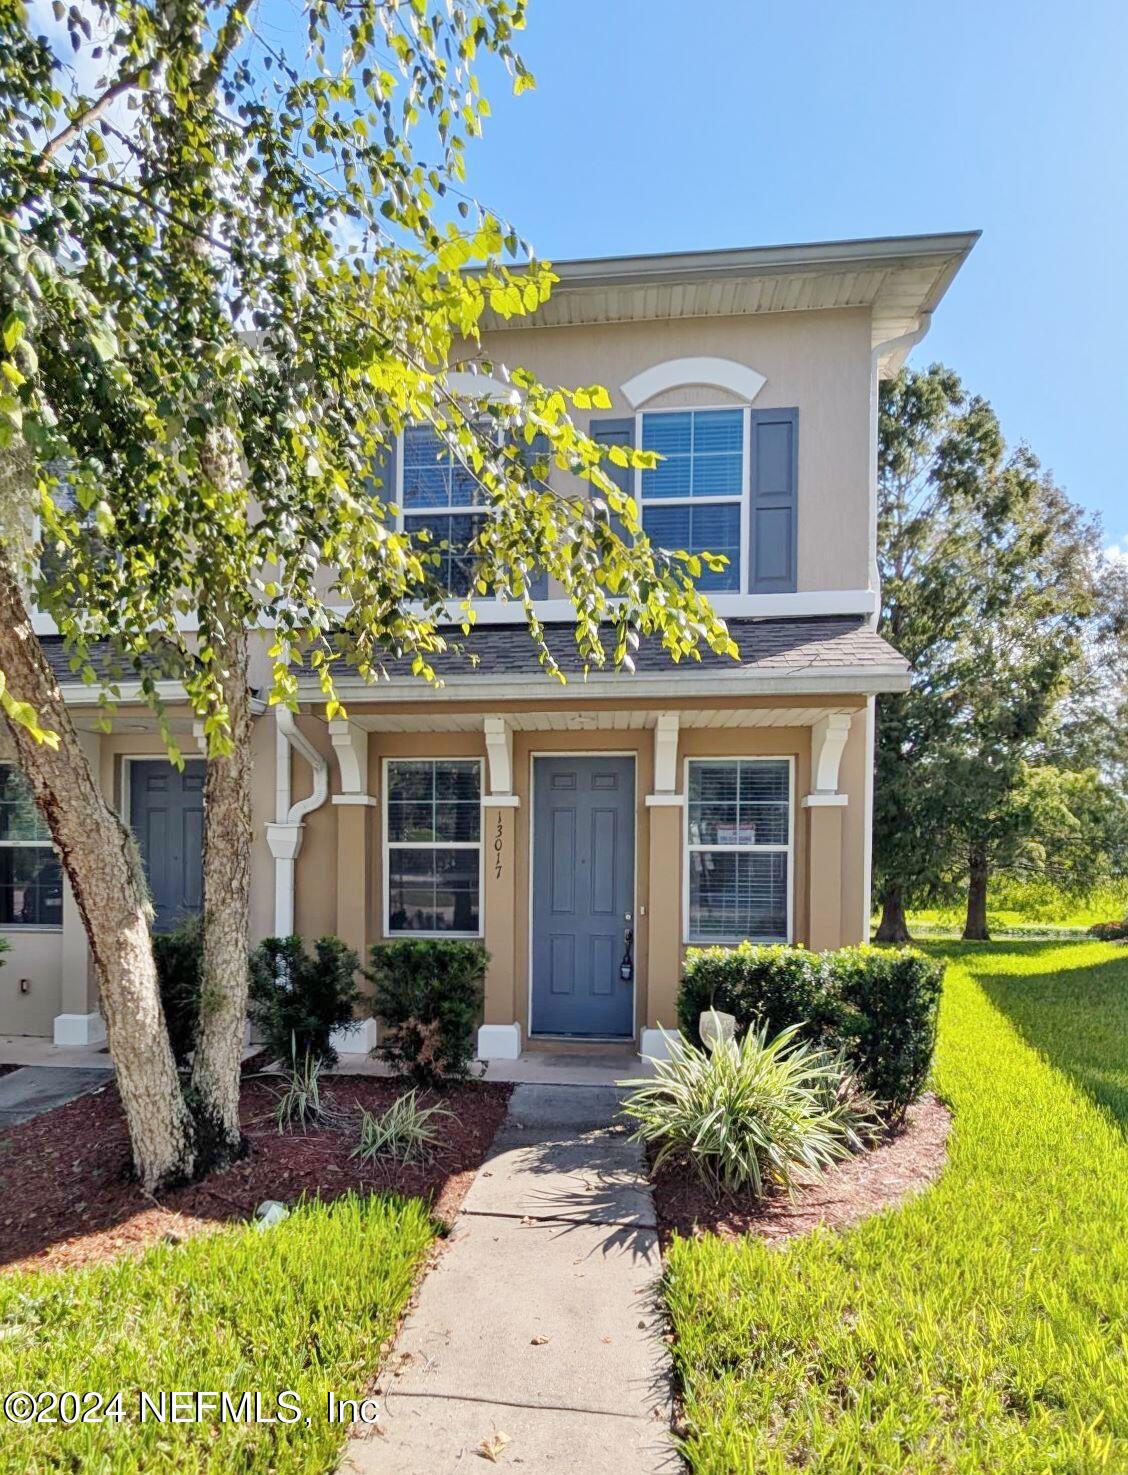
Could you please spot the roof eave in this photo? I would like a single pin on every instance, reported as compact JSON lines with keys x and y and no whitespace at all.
{"x":647,"y":686}
{"x":743,"y":261}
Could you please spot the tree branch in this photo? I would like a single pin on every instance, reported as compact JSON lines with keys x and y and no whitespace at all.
{"x":124,"y":83}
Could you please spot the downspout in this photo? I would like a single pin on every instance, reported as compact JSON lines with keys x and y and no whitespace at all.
{"x":907,"y":341}
{"x":284,"y":836}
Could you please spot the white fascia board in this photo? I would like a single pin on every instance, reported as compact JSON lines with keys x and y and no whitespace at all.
{"x":715,"y":684}
{"x":808,"y":602}
{"x":78,"y":694}
{"x":44,"y":624}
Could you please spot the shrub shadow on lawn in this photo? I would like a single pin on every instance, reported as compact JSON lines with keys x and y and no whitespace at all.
{"x":1076,"y":1017}
{"x":67,"y":1196}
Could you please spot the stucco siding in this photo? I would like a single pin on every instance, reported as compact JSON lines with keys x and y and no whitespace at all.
{"x":817,"y":362}
{"x":37,"y":956}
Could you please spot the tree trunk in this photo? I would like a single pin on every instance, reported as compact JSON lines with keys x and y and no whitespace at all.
{"x":975,"y":927}
{"x":103,"y":867}
{"x":227,"y":853}
{"x":894,"y":925}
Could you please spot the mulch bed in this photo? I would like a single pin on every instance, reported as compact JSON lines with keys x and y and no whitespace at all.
{"x":67,"y":1198}
{"x":906,"y":1162}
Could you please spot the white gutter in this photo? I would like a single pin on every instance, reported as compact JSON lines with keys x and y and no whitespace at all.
{"x":715,"y":683}
{"x":284,"y":836}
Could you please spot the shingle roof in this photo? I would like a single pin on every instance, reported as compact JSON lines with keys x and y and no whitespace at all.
{"x":820,"y":644}
{"x":107,"y":666}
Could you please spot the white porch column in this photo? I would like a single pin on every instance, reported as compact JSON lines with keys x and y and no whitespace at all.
{"x":355,"y":804}
{"x":666,"y":729}
{"x":663,"y":889}
{"x":824,"y":805}
{"x":499,"y":1037}
{"x":499,"y":764}
{"x":79,"y":1022}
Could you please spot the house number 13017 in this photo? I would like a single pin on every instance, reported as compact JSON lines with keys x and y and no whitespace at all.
{"x":497,"y":850}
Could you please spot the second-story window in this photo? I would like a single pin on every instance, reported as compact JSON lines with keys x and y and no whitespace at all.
{"x":694,"y":499}
{"x":441,"y":494}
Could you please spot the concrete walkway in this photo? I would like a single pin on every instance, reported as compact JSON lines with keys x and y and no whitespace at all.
{"x":34,"y":1089}
{"x":539,"y":1327}
{"x":594,"y":1067}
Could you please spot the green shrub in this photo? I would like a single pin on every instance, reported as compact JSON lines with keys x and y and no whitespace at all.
{"x":772,"y":986}
{"x":1109,"y":931}
{"x":428,"y":995}
{"x":889,"y":1000}
{"x":297,"y":1001}
{"x":876,"y":1004}
{"x":178,"y":956}
{"x":753,"y":1113}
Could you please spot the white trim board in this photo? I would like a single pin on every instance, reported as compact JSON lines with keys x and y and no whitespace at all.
{"x":718,"y":373}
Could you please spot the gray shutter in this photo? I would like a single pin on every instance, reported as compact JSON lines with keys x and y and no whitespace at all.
{"x":616,"y":432}
{"x":774,"y":511}
{"x":530,"y":454}
{"x":384,"y":472}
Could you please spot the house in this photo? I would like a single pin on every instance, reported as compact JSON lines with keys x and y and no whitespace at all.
{"x":588,"y":833}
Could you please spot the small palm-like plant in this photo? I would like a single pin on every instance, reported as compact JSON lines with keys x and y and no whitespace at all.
{"x":753,"y":1113}
{"x":407,"y":1131}
{"x":298,"y":1103}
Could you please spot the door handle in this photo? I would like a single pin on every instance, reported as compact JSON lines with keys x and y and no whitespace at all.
{"x":626,"y":967}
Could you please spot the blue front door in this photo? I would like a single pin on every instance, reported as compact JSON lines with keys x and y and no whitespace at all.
{"x":583,"y":896}
{"x":166,"y":814}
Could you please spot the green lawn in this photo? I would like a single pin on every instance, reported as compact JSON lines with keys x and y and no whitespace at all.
{"x":1029,"y":904}
{"x":304,"y":1306}
{"x":980,"y":1328}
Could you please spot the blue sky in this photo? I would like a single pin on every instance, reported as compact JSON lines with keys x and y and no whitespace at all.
{"x":662,"y":125}
{"x":666,"y":126}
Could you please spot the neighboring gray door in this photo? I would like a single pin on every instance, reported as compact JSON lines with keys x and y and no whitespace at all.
{"x":583,"y":895}
{"x":166,"y":813}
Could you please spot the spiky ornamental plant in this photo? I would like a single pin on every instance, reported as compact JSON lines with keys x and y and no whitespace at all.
{"x":751,"y":1113}
{"x":186,"y":330}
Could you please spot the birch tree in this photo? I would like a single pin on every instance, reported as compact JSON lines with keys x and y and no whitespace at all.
{"x":234,"y":269}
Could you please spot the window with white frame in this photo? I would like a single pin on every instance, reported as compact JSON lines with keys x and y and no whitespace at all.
{"x":31,"y":879}
{"x":738,"y":840}
{"x":433,"y":857}
{"x":694,"y":499}
{"x":441,"y":494}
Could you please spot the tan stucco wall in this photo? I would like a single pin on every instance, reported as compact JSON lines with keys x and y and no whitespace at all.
{"x":35,"y":954}
{"x":340,"y":886}
{"x":817,"y":362}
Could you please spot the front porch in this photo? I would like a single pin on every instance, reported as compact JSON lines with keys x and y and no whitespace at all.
{"x":585,"y":843}
{"x":537,"y":1065}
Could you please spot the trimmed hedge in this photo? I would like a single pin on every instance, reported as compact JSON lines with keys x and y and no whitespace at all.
{"x":1109,"y":931}
{"x":878,"y":1005}
{"x":297,"y":1001}
{"x":428,"y":995}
